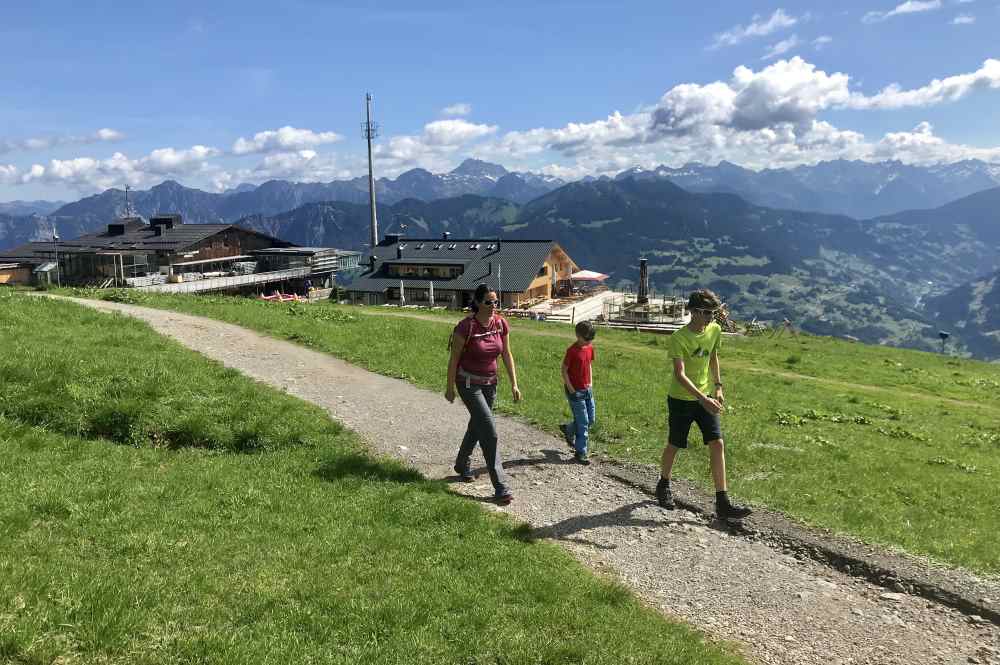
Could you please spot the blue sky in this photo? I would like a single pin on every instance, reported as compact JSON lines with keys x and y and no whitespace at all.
{"x":99,"y":94}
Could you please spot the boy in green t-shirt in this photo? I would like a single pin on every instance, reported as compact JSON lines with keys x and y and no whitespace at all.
{"x":695,"y":396}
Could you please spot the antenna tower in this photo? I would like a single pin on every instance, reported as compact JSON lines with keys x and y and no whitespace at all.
{"x":129,"y":210}
{"x":370,"y":131}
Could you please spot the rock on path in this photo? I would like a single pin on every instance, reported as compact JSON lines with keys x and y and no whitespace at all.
{"x":776,"y":608}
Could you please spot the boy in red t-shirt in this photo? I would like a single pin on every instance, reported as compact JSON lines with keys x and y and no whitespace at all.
{"x":578,"y":383}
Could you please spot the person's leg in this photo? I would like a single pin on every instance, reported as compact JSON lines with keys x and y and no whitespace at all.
{"x":463,"y":461}
{"x":679,"y":419}
{"x":487,"y":433}
{"x":569,"y":429}
{"x":711,"y":428}
{"x":585,"y":420}
{"x":591,"y":409}
{"x":667,"y":460}
{"x":717,"y":463}
{"x":579,"y":408}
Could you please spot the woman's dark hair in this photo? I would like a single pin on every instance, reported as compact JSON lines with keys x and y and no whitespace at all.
{"x":479,"y":296}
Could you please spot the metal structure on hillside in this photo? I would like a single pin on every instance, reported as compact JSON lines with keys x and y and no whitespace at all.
{"x":370,"y":130}
{"x":643,"y":308}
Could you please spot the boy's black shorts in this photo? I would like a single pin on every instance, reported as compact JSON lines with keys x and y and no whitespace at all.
{"x":681,"y":413}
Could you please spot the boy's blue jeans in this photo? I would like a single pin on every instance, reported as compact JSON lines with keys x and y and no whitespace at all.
{"x":581,"y":403}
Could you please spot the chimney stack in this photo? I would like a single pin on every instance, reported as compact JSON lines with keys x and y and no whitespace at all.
{"x":643,"y":283}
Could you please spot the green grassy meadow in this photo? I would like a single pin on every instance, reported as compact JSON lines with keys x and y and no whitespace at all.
{"x":892,"y":446}
{"x":148,"y":516}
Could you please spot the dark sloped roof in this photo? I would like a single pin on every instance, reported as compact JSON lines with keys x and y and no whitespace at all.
{"x":518,"y":261}
{"x":137,"y":239}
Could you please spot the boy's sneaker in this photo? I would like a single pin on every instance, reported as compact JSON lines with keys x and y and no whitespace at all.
{"x":730,"y":511}
{"x":663,"y":494}
{"x":582,"y":458}
{"x":568,"y":434}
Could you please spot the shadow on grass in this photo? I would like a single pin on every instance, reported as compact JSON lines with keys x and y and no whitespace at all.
{"x":357,"y":465}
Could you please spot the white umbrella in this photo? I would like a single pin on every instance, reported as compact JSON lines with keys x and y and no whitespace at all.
{"x":432,"y":292}
{"x":589,"y":275}
{"x":402,"y":295}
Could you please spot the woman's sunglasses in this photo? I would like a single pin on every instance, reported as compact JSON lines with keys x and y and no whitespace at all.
{"x":491,"y":302}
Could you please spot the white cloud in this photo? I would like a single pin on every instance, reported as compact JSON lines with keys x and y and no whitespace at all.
{"x":44,"y":143}
{"x":921,"y":146}
{"x":433,"y":149}
{"x":167,"y":160}
{"x":283,"y":140}
{"x":454,"y":131}
{"x":788,"y":91}
{"x":758,"y":27}
{"x":87,"y":174}
{"x":821,"y":41}
{"x":908,"y":7}
{"x":963,"y":19}
{"x":780,"y":48}
{"x":8,"y":174}
{"x":937,"y":91}
{"x":765,"y":118}
{"x":457,"y":109}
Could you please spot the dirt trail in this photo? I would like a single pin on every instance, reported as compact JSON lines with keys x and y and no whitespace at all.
{"x":777,"y":608}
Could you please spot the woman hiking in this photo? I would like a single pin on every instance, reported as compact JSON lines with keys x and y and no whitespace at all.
{"x":472,"y":369}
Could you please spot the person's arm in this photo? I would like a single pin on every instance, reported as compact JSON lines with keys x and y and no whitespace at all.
{"x":457,"y":346}
{"x":508,"y":362}
{"x":566,"y":381}
{"x":716,"y":371}
{"x":709,"y":403}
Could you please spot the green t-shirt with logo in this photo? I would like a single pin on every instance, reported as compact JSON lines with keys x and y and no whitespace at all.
{"x":696,"y":351}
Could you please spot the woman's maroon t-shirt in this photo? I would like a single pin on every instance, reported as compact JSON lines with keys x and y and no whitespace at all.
{"x":483,"y":344}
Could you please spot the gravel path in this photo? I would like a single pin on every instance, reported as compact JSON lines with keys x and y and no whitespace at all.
{"x":776,"y":608}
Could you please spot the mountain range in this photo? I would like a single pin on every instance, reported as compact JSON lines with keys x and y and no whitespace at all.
{"x":853,"y":188}
{"x":893,"y":278}
{"x":831,"y":274}
{"x":25,"y":208}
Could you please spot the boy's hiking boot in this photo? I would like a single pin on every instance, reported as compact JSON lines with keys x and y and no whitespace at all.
{"x":582,"y":458}
{"x":725,"y":510}
{"x":568,"y":434}
{"x":664,"y":496}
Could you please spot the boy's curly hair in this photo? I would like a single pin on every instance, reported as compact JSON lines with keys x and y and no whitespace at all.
{"x":703,"y":299}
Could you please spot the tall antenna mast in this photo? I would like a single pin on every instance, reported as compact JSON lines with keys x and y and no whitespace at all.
{"x":369,"y":130}
{"x":129,"y":212}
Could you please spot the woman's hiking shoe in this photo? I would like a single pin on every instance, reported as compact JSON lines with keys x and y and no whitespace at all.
{"x":582,"y":458}
{"x":730,"y":511}
{"x":664,"y":496}
{"x":465,"y":475}
{"x":568,"y":434}
{"x":504,"y":499}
